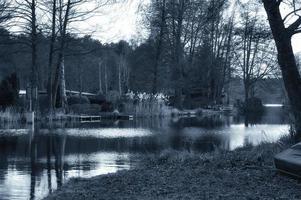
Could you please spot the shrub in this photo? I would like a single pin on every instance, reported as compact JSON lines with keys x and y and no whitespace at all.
{"x":253,"y":105}
{"x":10,"y":116}
{"x":88,"y":109}
{"x":76,"y":99}
{"x":9,"y":91}
{"x":98,"y":99}
{"x":143,"y":104}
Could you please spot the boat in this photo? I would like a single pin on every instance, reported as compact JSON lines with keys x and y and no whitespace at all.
{"x":289,"y":161}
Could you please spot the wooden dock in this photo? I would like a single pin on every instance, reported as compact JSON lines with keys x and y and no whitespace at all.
{"x":92,"y":118}
{"x":88,"y":119}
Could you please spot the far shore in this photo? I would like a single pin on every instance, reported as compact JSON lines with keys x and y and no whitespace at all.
{"x":246,"y":173}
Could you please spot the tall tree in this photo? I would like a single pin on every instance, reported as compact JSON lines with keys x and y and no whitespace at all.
{"x":161,"y":7}
{"x":27,"y":12}
{"x":53,"y":12}
{"x":6,"y":12}
{"x":283,"y":28}
{"x":254,"y":50}
{"x":59,"y":78}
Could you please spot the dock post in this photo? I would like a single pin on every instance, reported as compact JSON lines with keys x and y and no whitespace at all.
{"x":30,"y":117}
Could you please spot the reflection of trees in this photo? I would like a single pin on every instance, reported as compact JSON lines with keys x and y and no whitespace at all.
{"x":271,"y":115}
{"x":7,"y":146}
{"x":253,"y":118}
{"x":153,"y":123}
{"x":207,"y":142}
{"x":33,"y":165}
{"x":49,"y":150}
{"x":176,"y":139}
{"x":46,"y":146}
{"x":59,"y":151}
{"x":205,"y":122}
{"x":204,"y":142}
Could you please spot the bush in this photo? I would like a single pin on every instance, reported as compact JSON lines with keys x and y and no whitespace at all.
{"x":107,"y":107}
{"x":142,"y":104}
{"x":88,"y":109}
{"x":98,"y":99}
{"x":10,"y":116}
{"x":113,"y":96}
{"x":253,"y":105}
{"x":76,"y":99}
{"x":9,"y":91}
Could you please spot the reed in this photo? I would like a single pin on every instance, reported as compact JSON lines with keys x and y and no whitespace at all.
{"x":10,"y":115}
{"x":146,"y":105}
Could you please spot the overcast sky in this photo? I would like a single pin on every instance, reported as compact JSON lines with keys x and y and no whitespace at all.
{"x":121,"y":22}
{"x":117,"y":22}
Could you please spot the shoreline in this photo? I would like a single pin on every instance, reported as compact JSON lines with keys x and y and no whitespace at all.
{"x":245,"y":173}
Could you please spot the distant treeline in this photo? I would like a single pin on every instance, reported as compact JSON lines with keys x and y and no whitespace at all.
{"x":88,"y":61}
{"x":193,"y":52}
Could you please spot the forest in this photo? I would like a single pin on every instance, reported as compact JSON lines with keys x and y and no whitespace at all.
{"x":150,"y":99}
{"x":192,"y":52}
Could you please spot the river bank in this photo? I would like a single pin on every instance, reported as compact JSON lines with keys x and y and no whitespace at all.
{"x":246,"y":173}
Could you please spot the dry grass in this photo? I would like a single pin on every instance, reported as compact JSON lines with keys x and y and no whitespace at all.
{"x":10,"y":116}
{"x":246,"y":173}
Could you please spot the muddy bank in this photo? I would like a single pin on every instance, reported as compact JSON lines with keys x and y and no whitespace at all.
{"x":246,"y":173}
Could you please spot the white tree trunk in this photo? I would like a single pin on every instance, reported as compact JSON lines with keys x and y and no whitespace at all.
{"x":63,"y":84}
{"x":106,"y":79}
{"x":119,"y":77}
{"x":100,"y":78}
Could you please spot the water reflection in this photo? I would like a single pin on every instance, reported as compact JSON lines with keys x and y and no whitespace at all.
{"x":33,"y":165}
{"x":34,"y":162}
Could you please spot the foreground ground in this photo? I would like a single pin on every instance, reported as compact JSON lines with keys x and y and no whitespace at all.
{"x":246,"y":173}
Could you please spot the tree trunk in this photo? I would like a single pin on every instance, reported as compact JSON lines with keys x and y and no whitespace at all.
{"x":58,"y":72}
{"x":50,"y":61}
{"x":247,"y":90}
{"x":106,"y":78}
{"x":63,"y":85}
{"x":100,"y":77}
{"x":178,"y":52}
{"x":34,"y":68}
{"x":80,"y":84}
{"x":286,"y":60}
{"x":159,"y":49}
{"x":119,"y":76}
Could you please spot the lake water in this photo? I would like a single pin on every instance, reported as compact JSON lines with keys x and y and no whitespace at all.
{"x":36,"y":161}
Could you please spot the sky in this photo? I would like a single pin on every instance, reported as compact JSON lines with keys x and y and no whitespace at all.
{"x":117,"y":22}
{"x":123,"y":22}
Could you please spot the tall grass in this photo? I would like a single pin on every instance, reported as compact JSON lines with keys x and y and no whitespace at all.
{"x":146,"y":105}
{"x":288,"y":140}
{"x":10,"y":115}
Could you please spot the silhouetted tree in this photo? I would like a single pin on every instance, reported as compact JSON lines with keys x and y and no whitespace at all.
{"x":282,"y":33}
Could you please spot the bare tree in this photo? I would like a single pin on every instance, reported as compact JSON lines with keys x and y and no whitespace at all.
{"x":123,"y":75}
{"x":283,"y":28}
{"x":27,"y":12}
{"x":51,"y":53}
{"x":67,"y":13}
{"x":161,"y":6}
{"x":180,"y":30}
{"x":59,"y":76}
{"x":177,"y":14}
{"x":6,"y":12}
{"x":217,"y":40}
{"x":254,"y":52}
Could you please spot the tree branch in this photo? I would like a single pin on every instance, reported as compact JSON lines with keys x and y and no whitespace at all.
{"x":294,"y":26}
{"x":289,"y":14}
